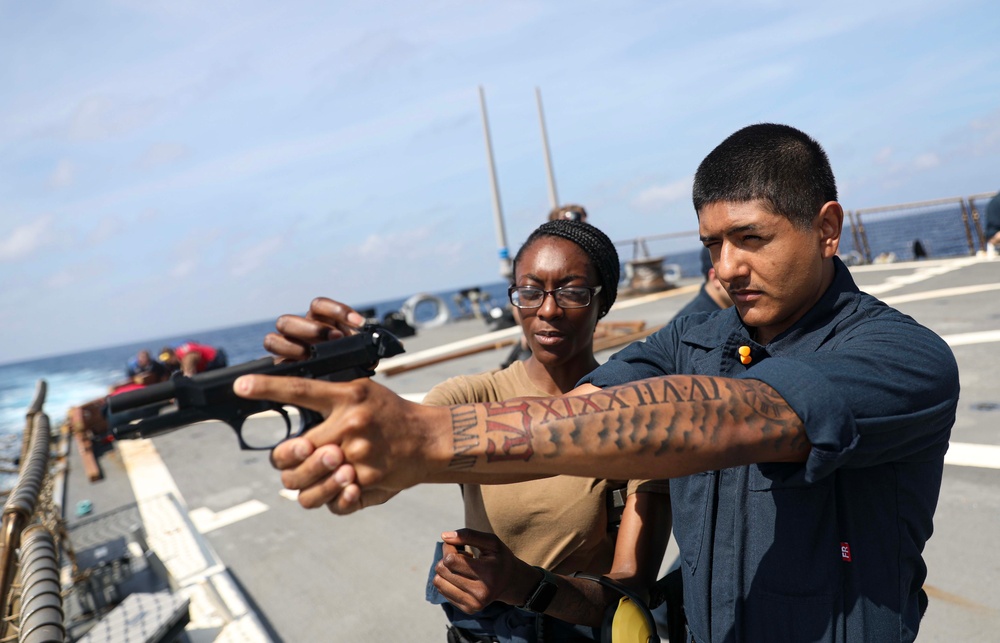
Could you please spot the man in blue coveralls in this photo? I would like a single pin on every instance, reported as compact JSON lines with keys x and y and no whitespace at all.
{"x":804,"y":429}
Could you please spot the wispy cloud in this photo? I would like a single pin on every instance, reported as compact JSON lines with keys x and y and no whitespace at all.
{"x":159,"y":154}
{"x":107,"y":228}
{"x":984,"y":134}
{"x":63,"y":176}
{"x":926,"y":161}
{"x":252,"y":258}
{"x":413,"y":244}
{"x":657,"y":197}
{"x":99,"y":117}
{"x":79,"y":274}
{"x":184,"y":267}
{"x":192,"y":252}
{"x":27,"y":239}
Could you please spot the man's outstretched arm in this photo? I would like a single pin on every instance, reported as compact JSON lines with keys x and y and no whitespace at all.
{"x":658,"y":428}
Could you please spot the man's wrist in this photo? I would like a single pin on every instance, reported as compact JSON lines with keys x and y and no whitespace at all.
{"x":440,"y":451}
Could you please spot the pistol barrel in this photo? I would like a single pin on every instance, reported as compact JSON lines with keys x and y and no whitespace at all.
{"x":141,"y":397}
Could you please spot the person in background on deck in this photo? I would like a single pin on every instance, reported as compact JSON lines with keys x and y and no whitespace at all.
{"x":532,"y":535}
{"x":712,"y":296}
{"x":570,"y":212}
{"x":143,"y":369}
{"x":192,"y":358}
{"x":804,"y":429}
{"x":993,"y":222}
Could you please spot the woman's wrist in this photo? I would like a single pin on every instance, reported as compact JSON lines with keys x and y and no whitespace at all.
{"x":540,"y":596}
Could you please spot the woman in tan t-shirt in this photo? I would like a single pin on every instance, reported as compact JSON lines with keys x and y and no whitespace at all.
{"x":566,"y":278}
{"x":529,"y":536}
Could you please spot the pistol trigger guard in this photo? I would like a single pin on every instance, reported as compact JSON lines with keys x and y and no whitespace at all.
{"x":307,"y":420}
{"x":288,"y":421}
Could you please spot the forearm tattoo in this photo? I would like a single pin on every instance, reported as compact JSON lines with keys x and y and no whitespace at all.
{"x":676,"y":413}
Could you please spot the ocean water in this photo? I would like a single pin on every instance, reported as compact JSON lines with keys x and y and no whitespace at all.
{"x":79,"y":377}
{"x":939,"y":228}
{"x":76,"y":378}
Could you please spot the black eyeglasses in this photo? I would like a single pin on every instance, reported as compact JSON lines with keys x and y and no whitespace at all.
{"x":568,"y":297}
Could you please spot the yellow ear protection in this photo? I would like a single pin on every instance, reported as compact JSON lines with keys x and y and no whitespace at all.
{"x":628,"y":622}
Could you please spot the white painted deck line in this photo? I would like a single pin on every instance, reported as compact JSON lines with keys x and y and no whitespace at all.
{"x":944,"y":292}
{"x":925,"y":263}
{"x":219,"y":611}
{"x":980,"y":337}
{"x":444,"y":349}
{"x":206,"y":520}
{"x":621,"y":304}
{"x":924,"y":272}
{"x":963,"y":454}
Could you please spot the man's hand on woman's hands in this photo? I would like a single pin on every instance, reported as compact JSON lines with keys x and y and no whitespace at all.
{"x":339,"y":490}
{"x":391,"y":444}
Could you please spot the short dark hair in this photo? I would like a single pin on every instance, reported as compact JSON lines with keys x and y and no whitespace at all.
{"x":594,"y":243}
{"x":776,"y":164}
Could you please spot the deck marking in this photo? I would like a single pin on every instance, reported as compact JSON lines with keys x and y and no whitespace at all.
{"x":906,"y":265}
{"x":955,"y":599}
{"x":206,"y":520}
{"x":217,"y":603}
{"x":656,"y":296}
{"x":979,"y":337}
{"x":923,"y":273}
{"x":944,"y":292}
{"x":964,"y":454}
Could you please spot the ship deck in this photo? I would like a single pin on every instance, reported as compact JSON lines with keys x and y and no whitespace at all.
{"x":258,"y":567}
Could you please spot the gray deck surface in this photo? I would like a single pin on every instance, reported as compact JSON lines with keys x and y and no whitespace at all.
{"x":312,"y":576}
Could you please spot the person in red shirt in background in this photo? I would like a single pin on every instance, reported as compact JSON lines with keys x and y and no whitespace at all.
{"x":192,"y":358}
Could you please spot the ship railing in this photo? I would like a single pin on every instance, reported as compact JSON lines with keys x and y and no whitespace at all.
{"x":940,"y":227}
{"x":30,"y":589}
{"x":36,"y":540}
{"x":947,"y":227}
{"x":977,"y":210}
{"x":41,"y":610}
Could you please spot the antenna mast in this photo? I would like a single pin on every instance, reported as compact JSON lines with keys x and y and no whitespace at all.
{"x":553,"y":198}
{"x":504,"y":254}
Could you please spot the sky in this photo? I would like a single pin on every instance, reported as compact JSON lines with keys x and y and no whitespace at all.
{"x":174,"y":166}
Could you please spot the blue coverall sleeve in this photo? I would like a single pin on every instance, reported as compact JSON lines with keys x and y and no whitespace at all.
{"x":887,"y":393}
{"x":653,"y":357}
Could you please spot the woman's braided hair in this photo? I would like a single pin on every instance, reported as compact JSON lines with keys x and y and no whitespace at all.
{"x":594,"y":243}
